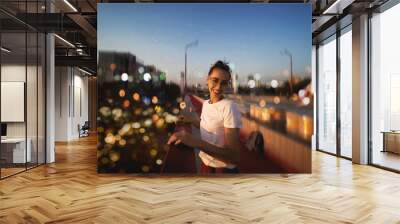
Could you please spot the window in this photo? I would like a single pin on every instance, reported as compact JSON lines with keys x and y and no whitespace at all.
{"x":327,"y":95}
{"x":346,"y":92}
{"x":385,"y":89}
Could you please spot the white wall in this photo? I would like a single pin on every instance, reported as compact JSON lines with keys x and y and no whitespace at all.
{"x":61,"y":103}
{"x":33,"y":127}
{"x":12,"y":73}
{"x":71,"y":87}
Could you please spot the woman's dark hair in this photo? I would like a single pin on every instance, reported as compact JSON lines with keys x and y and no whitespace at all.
{"x":220,"y":65}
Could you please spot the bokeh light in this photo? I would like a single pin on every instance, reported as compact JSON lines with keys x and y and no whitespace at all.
{"x":114,"y":156}
{"x":274,"y":83}
{"x":182,"y":105}
{"x":158,"y":109}
{"x":147,"y":77}
{"x":306,"y":101}
{"x":251,"y":83}
{"x":175,"y":111}
{"x":302,"y":93}
{"x":148,"y":122}
{"x":153,"y":152}
{"x":154,"y":100}
{"x":136,"y":97}
{"x":122,"y":142}
{"x":109,"y":139}
{"x":146,"y":100}
{"x":163,"y":76}
{"x":141,"y":70}
{"x":262,"y":103}
{"x":126,"y":104}
{"x":124,"y":77}
{"x":160,"y":123}
{"x":136,"y":125}
{"x":146,"y":138}
{"x":277,"y":100}
{"x":155,"y":117}
{"x":121,"y":93}
{"x":145,"y":169}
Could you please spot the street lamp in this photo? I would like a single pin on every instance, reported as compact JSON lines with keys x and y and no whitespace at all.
{"x":187,"y":46}
{"x":286,"y":52}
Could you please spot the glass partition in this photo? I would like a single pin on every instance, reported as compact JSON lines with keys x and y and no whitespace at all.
{"x":14,"y":153}
{"x":22,"y":90}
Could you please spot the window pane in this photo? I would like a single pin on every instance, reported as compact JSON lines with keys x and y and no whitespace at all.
{"x":327,"y":96}
{"x":385,"y":86}
{"x":346,"y":93}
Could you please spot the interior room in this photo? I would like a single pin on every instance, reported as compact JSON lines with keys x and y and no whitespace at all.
{"x":53,"y":135}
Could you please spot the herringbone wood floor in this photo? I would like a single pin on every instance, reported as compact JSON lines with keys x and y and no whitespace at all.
{"x":70,"y":191}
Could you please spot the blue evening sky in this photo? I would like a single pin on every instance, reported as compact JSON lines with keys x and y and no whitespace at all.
{"x":251,"y":36}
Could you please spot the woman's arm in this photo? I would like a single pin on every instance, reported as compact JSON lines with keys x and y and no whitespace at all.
{"x":229,"y":153}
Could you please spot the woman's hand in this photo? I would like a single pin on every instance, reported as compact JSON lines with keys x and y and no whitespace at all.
{"x":185,"y":118}
{"x":185,"y":138}
{"x":189,"y":117}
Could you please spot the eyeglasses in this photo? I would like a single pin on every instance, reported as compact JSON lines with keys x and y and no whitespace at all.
{"x":222,"y":83}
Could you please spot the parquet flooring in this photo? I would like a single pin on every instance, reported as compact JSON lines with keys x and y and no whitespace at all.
{"x":71,"y":191}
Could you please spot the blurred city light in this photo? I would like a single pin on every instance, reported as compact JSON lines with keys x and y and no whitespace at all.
{"x":306,"y":100}
{"x":154,"y":100}
{"x":141,"y":70}
{"x":121,"y":92}
{"x":124,"y":77}
{"x":147,"y":77}
{"x":262,"y":103}
{"x":251,"y":83}
{"x":302,"y":93}
{"x":136,"y":96}
{"x":277,"y":100}
{"x":274,"y":83}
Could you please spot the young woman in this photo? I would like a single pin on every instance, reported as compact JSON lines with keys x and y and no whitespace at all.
{"x":219,"y":124}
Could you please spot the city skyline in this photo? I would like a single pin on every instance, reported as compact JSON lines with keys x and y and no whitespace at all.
{"x":251,"y":37}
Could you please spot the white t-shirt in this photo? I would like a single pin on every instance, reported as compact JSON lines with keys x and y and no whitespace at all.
{"x":214,"y":118}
